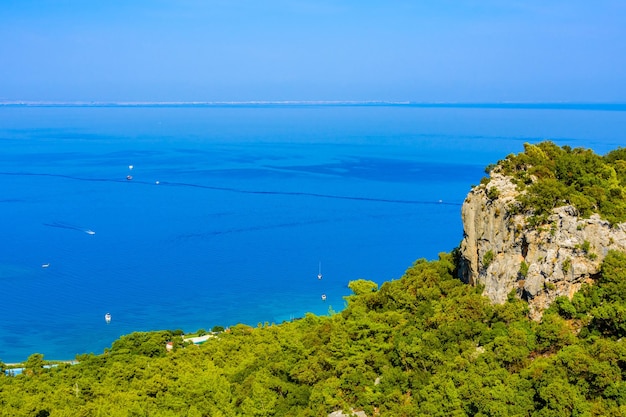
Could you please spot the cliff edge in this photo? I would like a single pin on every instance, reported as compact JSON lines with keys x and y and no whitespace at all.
{"x":505,"y":252}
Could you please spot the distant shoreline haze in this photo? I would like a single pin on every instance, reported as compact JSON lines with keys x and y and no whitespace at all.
{"x":603,"y":106}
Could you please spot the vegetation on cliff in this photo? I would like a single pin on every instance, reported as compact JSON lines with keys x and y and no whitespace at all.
{"x":425,"y":344}
{"x":554,"y":176}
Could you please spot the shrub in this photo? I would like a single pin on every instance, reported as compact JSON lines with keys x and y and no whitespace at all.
{"x":488,"y":258}
{"x":585,"y":246}
{"x":523,"y":269}
{"x":565,"y":308}
{"x":566,"y":265}
{"x":493,"y":193}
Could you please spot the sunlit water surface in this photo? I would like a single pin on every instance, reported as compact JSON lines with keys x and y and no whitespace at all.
{"x":232,"y":210}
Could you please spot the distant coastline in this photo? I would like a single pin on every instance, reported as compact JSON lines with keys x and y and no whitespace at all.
{"x":599,"y":106}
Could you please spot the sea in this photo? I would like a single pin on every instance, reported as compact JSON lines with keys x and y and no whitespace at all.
{"x":191,"y":216}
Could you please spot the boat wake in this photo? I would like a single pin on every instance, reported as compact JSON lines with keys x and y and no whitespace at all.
{"x":68,"y":226}
{"x":244,"y":191}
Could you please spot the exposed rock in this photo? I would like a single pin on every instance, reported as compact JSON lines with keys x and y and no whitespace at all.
{"x":352,"y":413}
{"x":501,"y":252}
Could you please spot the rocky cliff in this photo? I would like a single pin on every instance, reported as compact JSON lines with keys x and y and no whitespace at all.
{"x":503,"y":253}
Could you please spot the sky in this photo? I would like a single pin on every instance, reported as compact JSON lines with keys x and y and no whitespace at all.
{"x":275,"y":50}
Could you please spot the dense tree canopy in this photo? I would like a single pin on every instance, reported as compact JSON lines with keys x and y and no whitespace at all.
{"x":554,"y":176}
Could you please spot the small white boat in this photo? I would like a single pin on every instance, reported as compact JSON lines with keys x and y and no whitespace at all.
{"x":323,"y":297}
{"x":45,"y":265}
{"x":107,"y":318}
{"x":129,"y":177}
{"x":90,"y":232}
{"x":319,"y":274}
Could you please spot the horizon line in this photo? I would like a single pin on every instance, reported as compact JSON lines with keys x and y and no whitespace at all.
{"x":566,"y":105}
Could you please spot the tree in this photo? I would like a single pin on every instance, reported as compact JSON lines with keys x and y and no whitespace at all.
{"x":34,"y":364}
{"x":362,"y":286}
{"x":613,"y":277}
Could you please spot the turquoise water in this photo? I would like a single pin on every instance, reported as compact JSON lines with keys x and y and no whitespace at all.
{"x":250,"y":200}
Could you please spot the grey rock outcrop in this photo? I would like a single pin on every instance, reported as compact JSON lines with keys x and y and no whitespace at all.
{"x":501,"y":252}
{"x":352,"y":413}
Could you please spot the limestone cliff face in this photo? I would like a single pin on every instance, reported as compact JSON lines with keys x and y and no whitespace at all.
{"x":503,"y":253}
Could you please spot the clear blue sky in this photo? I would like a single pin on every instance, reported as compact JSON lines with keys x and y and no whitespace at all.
{"x":239,"y":50}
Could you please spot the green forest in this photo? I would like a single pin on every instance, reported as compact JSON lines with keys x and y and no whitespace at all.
{"x":553,"y":176}
{"x":422,"y":345}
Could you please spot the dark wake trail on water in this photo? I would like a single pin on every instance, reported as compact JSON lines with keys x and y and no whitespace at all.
{"x":234,"y":190}
{"x":65,"y":226}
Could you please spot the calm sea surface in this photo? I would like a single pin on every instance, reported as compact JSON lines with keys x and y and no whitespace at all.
{"x":231,"y":210}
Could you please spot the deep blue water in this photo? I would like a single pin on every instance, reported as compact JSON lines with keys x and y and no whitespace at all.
{"x":250,"y":200}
